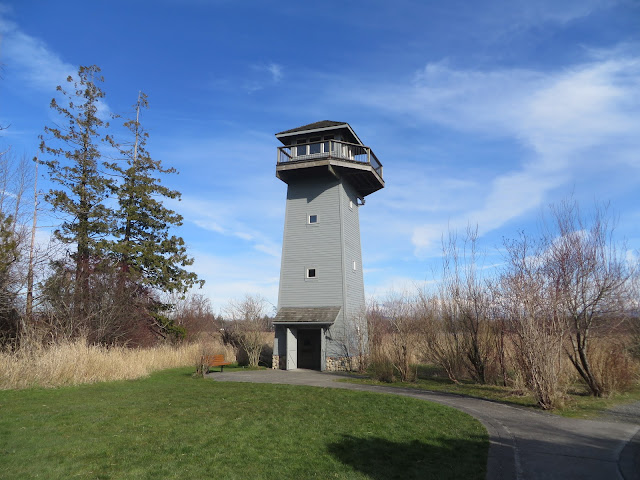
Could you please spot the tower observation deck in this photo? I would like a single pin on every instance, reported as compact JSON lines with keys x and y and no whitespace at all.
{"x":333,"y":146}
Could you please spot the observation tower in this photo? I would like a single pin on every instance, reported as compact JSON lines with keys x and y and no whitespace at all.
{"x":329,"y":172}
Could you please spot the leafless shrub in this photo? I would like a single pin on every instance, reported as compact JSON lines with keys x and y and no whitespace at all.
{"x":399,"y":347}
{"x":381,"y":367}
{"x":592,"y":282}
{"x":353,"y":339}
{"x":557,"y":307}
{"x":15,"y":177}
{"x":634,"y":335}
{"x":527,"y":307}
{"x":376,"y":325}
{"x":360,"y":340}
{"x":379,"y":363}
{"x":193,"y":312}
{"x":440,"y":336}
{"x":249,"y":324}
{"x":115,"y":306}
{"x":465,"y":305}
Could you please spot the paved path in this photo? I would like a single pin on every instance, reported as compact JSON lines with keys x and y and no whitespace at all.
{"x":524,"y":444}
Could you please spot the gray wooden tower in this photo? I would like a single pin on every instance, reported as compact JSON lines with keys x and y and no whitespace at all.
{"x":329,"y":172}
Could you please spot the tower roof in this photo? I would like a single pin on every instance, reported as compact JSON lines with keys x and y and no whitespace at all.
{"x":321,"y":126}
{"x":314,"y":126}
{"x":308,"y":315}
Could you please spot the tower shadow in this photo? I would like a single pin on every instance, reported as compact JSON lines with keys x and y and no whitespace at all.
{"x":381,"y":459}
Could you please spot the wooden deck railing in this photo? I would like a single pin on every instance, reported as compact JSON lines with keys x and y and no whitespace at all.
{"x":330,"y":149}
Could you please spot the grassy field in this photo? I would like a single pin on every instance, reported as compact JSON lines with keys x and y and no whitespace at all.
{"x":576,"y":404}
{"x":171,"y":425}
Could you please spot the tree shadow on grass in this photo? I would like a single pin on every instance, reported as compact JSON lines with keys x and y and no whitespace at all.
{"x":379,"y":458}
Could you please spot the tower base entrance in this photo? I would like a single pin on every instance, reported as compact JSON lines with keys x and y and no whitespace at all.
{"x":309,"y":348}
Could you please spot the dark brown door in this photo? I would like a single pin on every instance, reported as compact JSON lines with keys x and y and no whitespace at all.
{"x":309,"y":348}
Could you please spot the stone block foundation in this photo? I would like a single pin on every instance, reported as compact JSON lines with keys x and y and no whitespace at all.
{"x":341,"y":364}
{"x":333,"y":364}
{"x":278,"y":362}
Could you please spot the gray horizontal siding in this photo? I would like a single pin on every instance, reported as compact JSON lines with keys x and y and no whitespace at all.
{"x":330,"y":246}
{"x":312,"y":246}
{"x":354,"y":301}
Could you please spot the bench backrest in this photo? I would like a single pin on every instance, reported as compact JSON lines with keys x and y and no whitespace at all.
{"x":211,"y":359}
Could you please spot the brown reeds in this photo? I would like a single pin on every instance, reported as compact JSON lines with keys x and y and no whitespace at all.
{"x":75,"y":362}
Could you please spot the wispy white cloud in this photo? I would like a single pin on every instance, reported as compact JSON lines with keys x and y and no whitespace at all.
{"x":276,"y":71}
{"x":221,"y":217}
{"x":558,"y":117}
{"x":227,"y":277}
{"x":270,"y":248}
{"x":208,"y":225}
{"x":31,"y":58}
{"x":35,"y":64}
{"x":400,"y":194}
{"x":497,"y":22}
{"x":267,"y":74}
{"x":553,"y":112}
{"x":244,"y":235}
{"x":554,"y":11}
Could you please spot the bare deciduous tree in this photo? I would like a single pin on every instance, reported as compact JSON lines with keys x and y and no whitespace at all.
{"x":466,"y":302}
{"x":399,"y":313}
{"x":592,"y":281}
{"x":249,"y":324}
{"x":360,"y":339}
{"x":116,"y":311}
{"x":440,"y":334}
{"x":527,"y":306}
{"x":353,"y":338}
{"x":193,"y":312}
{"x":15,"y":177}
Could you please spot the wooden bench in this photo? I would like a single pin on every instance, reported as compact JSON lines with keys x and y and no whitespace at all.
{"x":213,"y":361}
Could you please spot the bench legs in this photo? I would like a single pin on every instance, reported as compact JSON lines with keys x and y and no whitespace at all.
{"x":209,"y":368}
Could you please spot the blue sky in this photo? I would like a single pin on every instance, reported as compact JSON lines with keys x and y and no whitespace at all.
{"x":481,"y":112}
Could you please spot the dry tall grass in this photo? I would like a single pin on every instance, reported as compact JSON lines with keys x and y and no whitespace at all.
{"x":73,"y":363}
{"x":612,"y":363}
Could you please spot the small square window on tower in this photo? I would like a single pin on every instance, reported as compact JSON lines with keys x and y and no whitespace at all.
{"x":313,"y":219}
{"x":311,"y":273}
{"x":354,"y":266}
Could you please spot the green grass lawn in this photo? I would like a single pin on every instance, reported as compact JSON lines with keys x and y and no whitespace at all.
{"x":172,"y":425}
{"x":578,"y":403}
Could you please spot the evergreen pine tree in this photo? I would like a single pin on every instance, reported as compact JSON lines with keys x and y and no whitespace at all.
{"x":10,"y":326}
{"x":145,"y":246}
{"x":75,"y":164}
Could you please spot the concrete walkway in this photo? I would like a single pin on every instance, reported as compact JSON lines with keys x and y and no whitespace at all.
{"x":524,"y":444}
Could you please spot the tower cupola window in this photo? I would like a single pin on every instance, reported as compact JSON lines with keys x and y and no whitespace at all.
{"x":315,"y":145}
